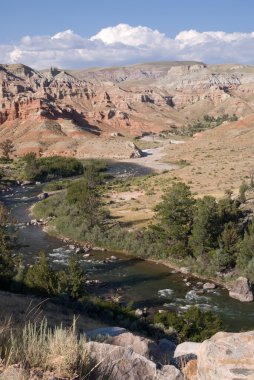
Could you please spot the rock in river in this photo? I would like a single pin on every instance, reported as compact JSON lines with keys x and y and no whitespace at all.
{"x":43,"y":196}
{"x":241,"y":290}
{"x":208,"y":286}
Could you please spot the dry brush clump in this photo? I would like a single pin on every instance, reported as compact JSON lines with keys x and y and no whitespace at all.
{"x":59,"y":350}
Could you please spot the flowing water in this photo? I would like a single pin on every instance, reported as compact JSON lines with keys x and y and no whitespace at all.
{"x":146,"y":283}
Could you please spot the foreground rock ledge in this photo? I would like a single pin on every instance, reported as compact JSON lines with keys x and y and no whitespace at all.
{"x":227,"y":356}
{"x":123,"y":363}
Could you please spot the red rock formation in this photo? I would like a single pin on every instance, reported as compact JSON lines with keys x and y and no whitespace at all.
{"x":56,"y":105}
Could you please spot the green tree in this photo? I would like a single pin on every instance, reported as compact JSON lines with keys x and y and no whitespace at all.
{"x":41,"y":277}
{"x":31,"y":169}
{"x":228,"y":243}
{"x":72,"y":280}
{"x":206,"y":226}
{"x":85,"y":203}
{"x":175,"y":214}
{"x":194,"y":324}
{"x":7,"y":148}
{"x":228,"y":210}
{"x":246,"y":251}
{"x":242,"y":190}
{"x":7,"y":263}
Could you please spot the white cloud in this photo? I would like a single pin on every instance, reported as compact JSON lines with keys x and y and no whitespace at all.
{"x":124,"y":44}
{"x":131,"y":36}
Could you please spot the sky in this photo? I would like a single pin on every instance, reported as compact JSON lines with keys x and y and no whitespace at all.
{"x":82,"y":33}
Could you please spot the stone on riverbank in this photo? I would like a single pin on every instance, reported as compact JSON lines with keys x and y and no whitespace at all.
{"x":43,"y":196}
{"x":27,"y":183}
{"x":241,"y":290}
{"x":209,"y":286}
{"x":184,"y":270}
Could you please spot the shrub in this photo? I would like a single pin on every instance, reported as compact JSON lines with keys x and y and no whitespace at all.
{"x":40,"y":277}
{"x":7,"y":148}
{"x":242,"y":190}
{"x":48,"y":168}
{"x":194,"y":324}
{"x":72,"y":280}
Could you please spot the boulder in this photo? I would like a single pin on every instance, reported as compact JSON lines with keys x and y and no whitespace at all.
{"x":228,"y":356}
{"x":164,"y":351}
{"x":118,"y":336}
{"x":105,"y":331}
{"x":139,"y":313}
{"x":113,"y":258}
{"x":138,"y":344}
{"x":27,"y":183}
{"x":136,"y":152}
{"x":12,"y":373}
{"x":123,"y":363}
{"x":79,"y":250}
{"x":209,"y":286}
{"x":190,"y":370}
{"x":187,"y":348}
{"x":43,"y":196}
{"x":241,"y":290}
{"x":184,"y":270}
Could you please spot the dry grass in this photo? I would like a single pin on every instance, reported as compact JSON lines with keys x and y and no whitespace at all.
{"x":59,"y":350}
{"x":217,"y":160}
{"x":33,"y":308}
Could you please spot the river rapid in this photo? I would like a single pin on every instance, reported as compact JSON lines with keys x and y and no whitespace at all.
{"x":145,"y":283}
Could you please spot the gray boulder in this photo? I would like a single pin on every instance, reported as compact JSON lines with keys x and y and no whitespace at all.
{"x":136,"y":152}
{"x":227,"y":356}
{"x":27,"y":183}
{"x":105,"y":331}
{"x":209,"y":286}
{"x":184,"y":270}
{"x":241,"y":290}
{"x":161,"y":352}
{"x":187,"y":348}
{"x":123,"y":363}
{"x":138,"y":344}
{"x":43,"y":196}
{"x":164,"y":351}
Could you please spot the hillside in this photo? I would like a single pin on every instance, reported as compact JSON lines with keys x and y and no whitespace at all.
{"x":77,"y":112}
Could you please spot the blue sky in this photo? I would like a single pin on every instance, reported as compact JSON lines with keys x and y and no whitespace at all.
{"x":87,"y":17}
{"x":40,"y":21}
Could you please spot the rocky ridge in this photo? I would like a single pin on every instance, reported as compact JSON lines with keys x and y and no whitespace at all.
{"x":61,"y":112}
{"x":119,"y":354}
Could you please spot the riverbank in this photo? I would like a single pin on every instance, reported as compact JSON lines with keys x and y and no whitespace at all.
{"x":130,"y":278}
{"x":180,"y":268}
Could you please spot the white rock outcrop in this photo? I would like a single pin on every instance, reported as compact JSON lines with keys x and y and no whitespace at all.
{"x":187,"y":348}
{"x":227,"y":356}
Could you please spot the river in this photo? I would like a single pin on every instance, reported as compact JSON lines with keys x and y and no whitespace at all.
{"x":146,"y":283}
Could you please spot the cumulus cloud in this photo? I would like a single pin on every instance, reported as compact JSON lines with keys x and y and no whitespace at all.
{"x":124,"y":44}
{"x":131,"y":36}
